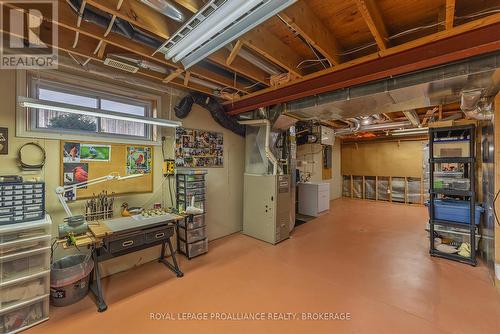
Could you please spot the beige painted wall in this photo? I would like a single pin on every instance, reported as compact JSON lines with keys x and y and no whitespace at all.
{"x":224,"y":199}
{"x":309,"y":159}
{"x":392,"y":158}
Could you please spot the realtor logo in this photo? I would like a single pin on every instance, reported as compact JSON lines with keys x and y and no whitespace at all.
{"x":29,"y":34}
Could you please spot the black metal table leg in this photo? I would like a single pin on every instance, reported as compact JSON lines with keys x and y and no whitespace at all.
{"x":175,"y":267}
{"x":96,"y":286}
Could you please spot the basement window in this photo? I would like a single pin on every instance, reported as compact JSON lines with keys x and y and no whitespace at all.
{"x":47,"y":121}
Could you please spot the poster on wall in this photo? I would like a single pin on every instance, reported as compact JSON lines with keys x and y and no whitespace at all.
{"x":71,"y":152}
{"x":139,"y":160}
{"x":4,"y":141}
{"x":75,"y":173}
{"x":93,"y":152}
{"x":198,"y":148}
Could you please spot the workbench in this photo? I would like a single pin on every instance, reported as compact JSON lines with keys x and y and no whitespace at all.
{"x":117,"y":237}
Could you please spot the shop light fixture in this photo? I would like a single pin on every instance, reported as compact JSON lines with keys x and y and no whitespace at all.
{"x":216,"y":24}
{"x":27,"y":102}
{"x":409,"y":132}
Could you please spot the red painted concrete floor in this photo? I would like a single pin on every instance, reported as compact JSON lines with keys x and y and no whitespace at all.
{"x":364,"y":258}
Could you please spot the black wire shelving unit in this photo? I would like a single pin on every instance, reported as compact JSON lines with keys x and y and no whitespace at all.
{"x":435,"y":134}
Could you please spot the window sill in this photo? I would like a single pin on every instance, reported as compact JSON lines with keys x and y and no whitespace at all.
{"x":23,"y":133}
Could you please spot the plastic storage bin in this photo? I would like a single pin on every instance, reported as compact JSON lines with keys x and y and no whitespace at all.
{"x":455,"y":210}
{"x":194,"y":249}
{"x":192,"y":235}
{"x":455,"y":234}
{"x":22,"y":264}
{"x":11,"y":295}
{"x":451,"y":149}
{"x":24,"y":316}
{"x":196,"y":222}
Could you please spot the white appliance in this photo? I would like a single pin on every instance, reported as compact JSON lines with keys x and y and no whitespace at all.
{"x":314,"y":198}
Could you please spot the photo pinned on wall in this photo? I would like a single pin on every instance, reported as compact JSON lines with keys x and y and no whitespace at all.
{"x":72,"y":152}
{"x":139,"y":160}
{"x":198,"y":148}
{"x":75,"y":173}
{"x":92,"y":152}
{"x":4,"y":141}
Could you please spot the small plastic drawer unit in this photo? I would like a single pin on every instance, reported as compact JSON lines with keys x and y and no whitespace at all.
{"x":21,"y":202}
{"x":195,"y":249}
{"x":24,"y":274}
{"x":192,"y":231}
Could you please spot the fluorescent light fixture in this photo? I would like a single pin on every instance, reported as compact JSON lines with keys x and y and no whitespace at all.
{"x":410,"y":132}
{"x":217,"y":24}
{"x":27,"y":102}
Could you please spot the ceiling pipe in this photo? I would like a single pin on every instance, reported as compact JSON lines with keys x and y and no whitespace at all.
{"x":167,"y":8}
{"x":373,"y":127}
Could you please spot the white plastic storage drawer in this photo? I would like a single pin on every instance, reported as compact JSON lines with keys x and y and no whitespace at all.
{"x":198,"y":221}
{"x":16,"y":266}
{"x":194,"y":249}
{"x":24,"y":316}
{"x":24,"y":245}
{"x":192,"y":235}
{"x":24,"y":290}
{"x":21,"y":235}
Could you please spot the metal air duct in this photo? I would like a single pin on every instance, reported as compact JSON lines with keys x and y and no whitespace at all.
{"x":372,"y":127}
{"x":474,"y":107}
{"x":167,"y":8}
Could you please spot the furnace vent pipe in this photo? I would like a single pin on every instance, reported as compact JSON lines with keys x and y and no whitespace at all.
{"x":269,"y":154}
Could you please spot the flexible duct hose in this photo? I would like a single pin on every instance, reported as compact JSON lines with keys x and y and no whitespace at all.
{"x":218,"y":113}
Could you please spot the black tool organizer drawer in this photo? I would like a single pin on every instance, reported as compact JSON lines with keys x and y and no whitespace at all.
{"x":21,"y":202}
{"x":123,"y":242}
{"x":161,"y":233}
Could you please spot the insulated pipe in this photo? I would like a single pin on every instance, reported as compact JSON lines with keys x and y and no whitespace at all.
{"x":269,"y":154}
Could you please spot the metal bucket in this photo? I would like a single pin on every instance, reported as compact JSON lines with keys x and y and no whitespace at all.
{"x":69,"y":279}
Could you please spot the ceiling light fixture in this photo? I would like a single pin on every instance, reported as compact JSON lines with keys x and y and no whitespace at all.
{"x":410,"y":132}
{"x":27,"y":102}
{"x":216,"y":24}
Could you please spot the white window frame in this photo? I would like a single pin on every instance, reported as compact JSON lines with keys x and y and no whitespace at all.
{"x":26,"y":123}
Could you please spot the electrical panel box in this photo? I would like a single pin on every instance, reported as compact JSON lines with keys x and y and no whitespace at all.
{"x":267,"y":207}
{"x":327,"y":136}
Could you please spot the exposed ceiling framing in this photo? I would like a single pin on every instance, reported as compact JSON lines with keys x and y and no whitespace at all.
{"x":313,"y":42}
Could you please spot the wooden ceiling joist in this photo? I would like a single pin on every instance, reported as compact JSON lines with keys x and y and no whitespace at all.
{"x":466,"y":40}
{"x":374,"y":21}
{"x":304,"y":21}
{"x":272,"y":48}
{"x":172,"y":75}
{"x":240,"y":66}
{"x":138,"y":14}
{"x":234,"y":52}
{"x":147,"y":19}
{"x":187,"y":76}
{"x":450,"y":13}
{"x":67,"y":20}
